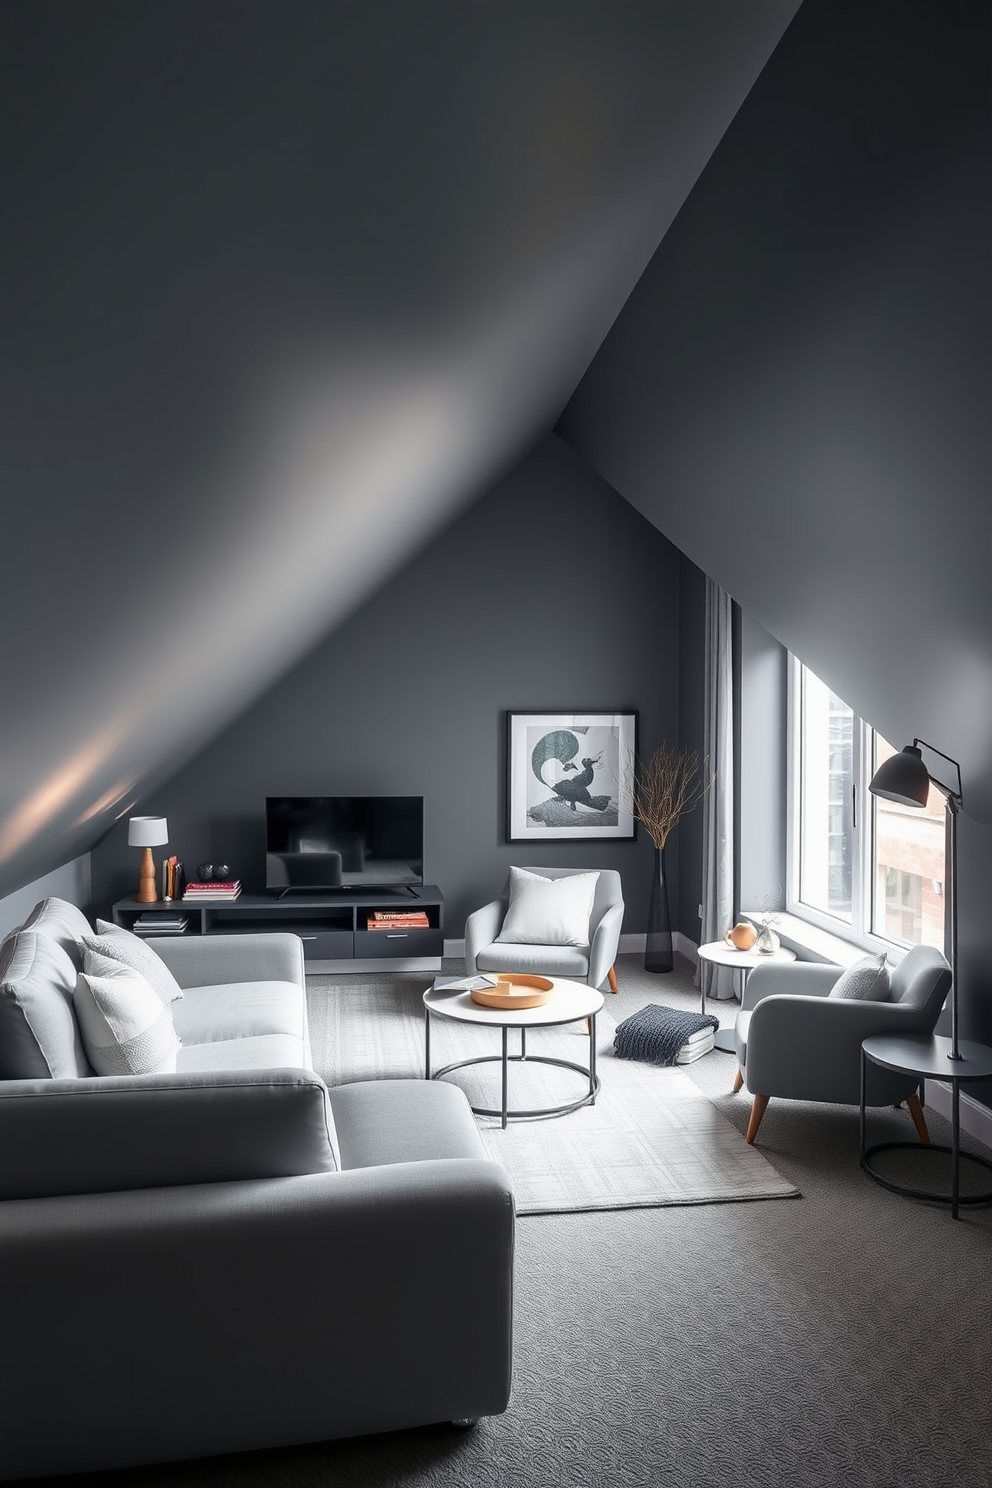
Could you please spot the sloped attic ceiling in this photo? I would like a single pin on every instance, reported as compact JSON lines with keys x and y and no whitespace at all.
{"x":285,"y":288}
{"x":797,"y":392}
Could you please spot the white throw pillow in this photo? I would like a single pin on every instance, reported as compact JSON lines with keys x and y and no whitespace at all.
{"x":548,"y":911}
{"x":866,"y":981}
{"x":130,"y":950}
{"x":125,"y":1027}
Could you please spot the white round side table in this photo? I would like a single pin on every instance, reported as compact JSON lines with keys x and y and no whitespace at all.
{"x":719,"y":953}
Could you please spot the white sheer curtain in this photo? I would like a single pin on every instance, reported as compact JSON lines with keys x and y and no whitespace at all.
{"x":718,"y":802}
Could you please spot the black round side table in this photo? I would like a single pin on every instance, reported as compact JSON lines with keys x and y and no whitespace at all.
{"x":928,"y":1058}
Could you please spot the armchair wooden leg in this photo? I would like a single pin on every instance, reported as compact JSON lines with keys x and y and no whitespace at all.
{"x":919,"y":1120}
{"x":757,"y":1111}
{"x":738,"y":1081}
{"x":611,"y":977}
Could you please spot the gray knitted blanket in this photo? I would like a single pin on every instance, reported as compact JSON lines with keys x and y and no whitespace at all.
{"x":656,"y":1034}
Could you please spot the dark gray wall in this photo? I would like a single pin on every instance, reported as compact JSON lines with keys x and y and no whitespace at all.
{"x":551,"y":592}
{"x":797,"y":391}
{"x":763,"y":710}
{"x":689,"y":833}
{"x":286,"y":287}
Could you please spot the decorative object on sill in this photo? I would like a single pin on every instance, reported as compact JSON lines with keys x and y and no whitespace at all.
{"x":664,"y":788}
{"x":147,"y":832}
{"x":743,"y":936}
{"x":905,"y":779}
{"x":768,"y":943}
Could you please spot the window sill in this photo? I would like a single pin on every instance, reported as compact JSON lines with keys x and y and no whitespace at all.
{"x":810,"y":942}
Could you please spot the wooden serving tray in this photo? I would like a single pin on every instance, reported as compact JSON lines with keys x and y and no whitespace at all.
{"x":515,"y":990}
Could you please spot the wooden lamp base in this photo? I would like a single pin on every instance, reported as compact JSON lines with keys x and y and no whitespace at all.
{"x":147,"y":892}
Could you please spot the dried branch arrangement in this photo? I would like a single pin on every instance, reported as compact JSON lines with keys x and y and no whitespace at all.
{"x":667,"y":787}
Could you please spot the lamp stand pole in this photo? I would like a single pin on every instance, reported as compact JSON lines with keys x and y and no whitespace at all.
{"x":953,"y":805}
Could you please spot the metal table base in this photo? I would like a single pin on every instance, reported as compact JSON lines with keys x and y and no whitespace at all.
{"x":505,"y":1059}
{"x":926,"y":1057}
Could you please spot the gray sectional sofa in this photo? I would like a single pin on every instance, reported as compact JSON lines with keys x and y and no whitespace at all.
{"x":231,"y":1256}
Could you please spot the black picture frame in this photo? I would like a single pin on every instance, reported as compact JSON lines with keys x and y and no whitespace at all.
{"x":569,"y":776}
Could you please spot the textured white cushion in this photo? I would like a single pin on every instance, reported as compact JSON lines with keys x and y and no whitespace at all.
{"x":126,"y":1028}
{"x":62,"y":922}
{"x":130,"y":950}
{"x":39,"y":1035}
{"x":548,"y":911}
{"x":866,"y":981}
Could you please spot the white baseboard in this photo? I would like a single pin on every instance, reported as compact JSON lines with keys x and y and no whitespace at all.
{"x":429,"y":964}
{"x":976,"y":1119}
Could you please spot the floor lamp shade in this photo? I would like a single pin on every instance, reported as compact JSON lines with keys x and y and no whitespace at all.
{"x":904,"y":778}
{"x":147,"y":832}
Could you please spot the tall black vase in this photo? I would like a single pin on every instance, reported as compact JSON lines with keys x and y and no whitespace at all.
{"x":658,"y":944}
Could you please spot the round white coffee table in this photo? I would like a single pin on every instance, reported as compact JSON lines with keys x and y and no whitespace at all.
{"x":571,"y":1002}
{"x":719,"y":953}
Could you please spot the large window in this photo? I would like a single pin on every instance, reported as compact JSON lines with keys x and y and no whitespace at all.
{"x":866,"y":868}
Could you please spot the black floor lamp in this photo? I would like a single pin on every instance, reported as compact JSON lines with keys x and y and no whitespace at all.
{"x":904,"y":778}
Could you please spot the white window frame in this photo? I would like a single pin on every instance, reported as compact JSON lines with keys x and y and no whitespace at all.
{"x":858,"y":931}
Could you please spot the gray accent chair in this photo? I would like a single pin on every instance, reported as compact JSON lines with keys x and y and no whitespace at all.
{"x":796,"y":1042}
{"x":591,"y":963}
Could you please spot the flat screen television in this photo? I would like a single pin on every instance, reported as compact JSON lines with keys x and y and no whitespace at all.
{"x":315,"y":843}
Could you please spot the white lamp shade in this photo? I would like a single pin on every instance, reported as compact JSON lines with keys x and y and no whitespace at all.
{"x":147,"y":831}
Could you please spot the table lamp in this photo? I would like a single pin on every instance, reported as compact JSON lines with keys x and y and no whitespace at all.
{"x":904,"y":778}
{"x":147,"y":832}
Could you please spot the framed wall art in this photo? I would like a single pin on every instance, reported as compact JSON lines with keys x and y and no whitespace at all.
{"x":569,"y":776}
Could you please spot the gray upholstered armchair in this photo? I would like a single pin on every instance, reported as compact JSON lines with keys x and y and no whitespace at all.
{"x":794,"y":1040}
{"x":591,"y":963}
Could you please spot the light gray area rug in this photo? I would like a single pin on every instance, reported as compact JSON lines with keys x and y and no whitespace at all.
{"x":652,"y":1138}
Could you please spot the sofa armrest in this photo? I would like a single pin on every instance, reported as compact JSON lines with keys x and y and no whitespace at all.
{"x":120,"y":1132}
{"x":481,"y":929}
{"x":288,"y":1310}
{"x":212,"y":960}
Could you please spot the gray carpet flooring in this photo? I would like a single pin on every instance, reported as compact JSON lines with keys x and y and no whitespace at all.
{"x":838,"y":1339}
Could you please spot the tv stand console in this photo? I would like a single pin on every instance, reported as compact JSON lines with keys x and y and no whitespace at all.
{"x":333,"y":927}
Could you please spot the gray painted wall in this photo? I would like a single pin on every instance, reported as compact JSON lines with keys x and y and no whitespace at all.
{"x":551,"y":592}
{"x":689,"y":833}
{"x":72,"y":881}
{"x":285,"y":288}
{"x":763,"y":710}
{"x":797,"y":391}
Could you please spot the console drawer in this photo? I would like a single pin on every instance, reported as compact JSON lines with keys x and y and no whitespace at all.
{"x":326,"y":945}
{"x":372,"y":944}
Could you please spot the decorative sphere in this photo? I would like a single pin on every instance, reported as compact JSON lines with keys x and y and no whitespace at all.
{"x":205,"y":872}
{"x":222,"y":871}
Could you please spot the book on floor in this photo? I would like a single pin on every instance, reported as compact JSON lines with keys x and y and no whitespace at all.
{"x":695,"y":1046}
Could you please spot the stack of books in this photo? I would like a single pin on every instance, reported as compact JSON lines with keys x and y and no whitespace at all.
{"x":173,"y":879}
{"x":196,"y":892}
{"x":160,"y":924}
{"x":695,"y":1046}
{"x":399,"y":919}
